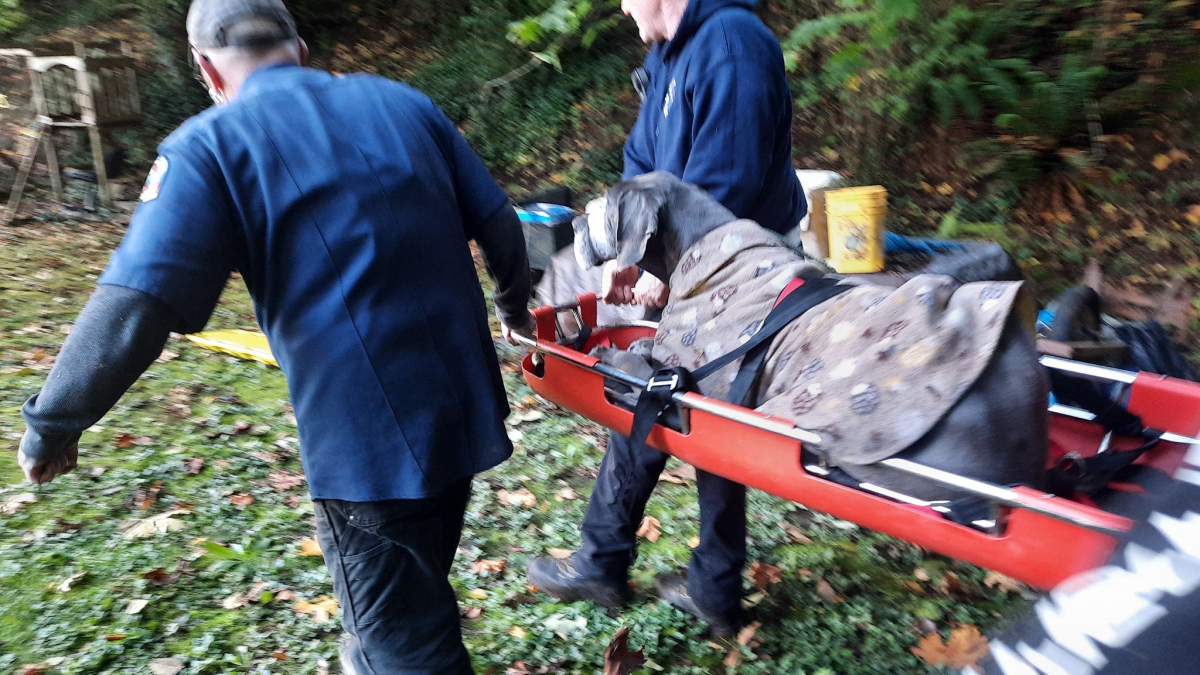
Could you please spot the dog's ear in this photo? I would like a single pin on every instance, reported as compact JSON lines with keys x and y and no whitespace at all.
{"x":633,"y":216}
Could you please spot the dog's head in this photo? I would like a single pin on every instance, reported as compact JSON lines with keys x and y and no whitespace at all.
{"x":618,"y":225}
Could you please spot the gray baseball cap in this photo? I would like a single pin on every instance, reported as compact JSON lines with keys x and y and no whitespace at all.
{"x":212,"y":24}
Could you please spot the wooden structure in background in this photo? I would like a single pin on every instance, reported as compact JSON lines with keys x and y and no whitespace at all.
{"x":78,"y":91}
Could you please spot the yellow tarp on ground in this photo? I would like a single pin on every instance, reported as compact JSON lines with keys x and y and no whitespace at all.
{"x":245,"y":344}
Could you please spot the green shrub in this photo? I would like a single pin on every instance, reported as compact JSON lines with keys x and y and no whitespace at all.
{"x":11,"y":16}
{"x":884,"y":63}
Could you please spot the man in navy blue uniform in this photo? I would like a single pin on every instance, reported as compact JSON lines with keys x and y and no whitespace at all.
{"x":717,"y":113}
{"x":347,"y":204}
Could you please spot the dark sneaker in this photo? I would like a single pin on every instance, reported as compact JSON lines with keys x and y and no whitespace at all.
{"x":674,"y":590}
{"x":559,"y":579}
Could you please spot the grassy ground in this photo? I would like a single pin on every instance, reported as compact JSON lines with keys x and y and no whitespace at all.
{"x":224,"y":586}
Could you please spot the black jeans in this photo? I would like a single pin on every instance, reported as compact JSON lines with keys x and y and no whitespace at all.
{"x":390,"y":562}
{"x":616,"y":508}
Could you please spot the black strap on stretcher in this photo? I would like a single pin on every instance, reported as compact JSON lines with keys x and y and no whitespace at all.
{"x":656,"y":399}
{"x":1091,"y":475}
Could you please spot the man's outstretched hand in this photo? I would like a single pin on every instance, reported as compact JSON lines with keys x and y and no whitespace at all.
{"x":46,"y":469}
{"x":616,"y":287}
{"x":626,"y":287}
{"x":529,"y":330}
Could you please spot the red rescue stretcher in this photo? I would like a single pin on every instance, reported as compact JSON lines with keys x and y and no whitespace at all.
{"x":1035,"y":537}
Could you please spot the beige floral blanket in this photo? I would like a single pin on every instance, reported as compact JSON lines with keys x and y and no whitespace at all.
{"x":871,"y":370}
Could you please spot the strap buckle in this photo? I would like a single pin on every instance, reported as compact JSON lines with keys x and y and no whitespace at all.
{"x":670,"y":383}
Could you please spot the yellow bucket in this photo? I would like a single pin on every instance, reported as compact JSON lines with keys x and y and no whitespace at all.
{"x":854,"y":217}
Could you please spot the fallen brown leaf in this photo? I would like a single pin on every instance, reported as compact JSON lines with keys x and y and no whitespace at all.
{"x":195,"y":465}
{"x":310,"y":547}
{"x":321,"y":610}
{"x":160,"y":524}
{"x":472,"y":613}
{"x":565,"y":495}
{"x":733,"y":658}
{"x":764,"y":574}
{"x":618,"y":660}
{"x":522,"y":498}
{"x":488,"y":567}
{"x":166,"y":666}
{"x":242,"y":499}
{"x":123,"y":441}
{"x":826,"y":592}
{"x":1003,"y":582}
{"x":17,"y":502}
{"x":166,"y":355}
{"x":559,"y":553}
{"x":136,"y":606}
{"x":746,"y":634}
{"x":795,"y":533}
{"x":279,"y":655}
{"x":649,"y":529}
{"x":965,"y":648}
{"x":952,"y":585}
{"x":921,"y":574}
{"x":284,"y":480}
{"x":517,"y":632}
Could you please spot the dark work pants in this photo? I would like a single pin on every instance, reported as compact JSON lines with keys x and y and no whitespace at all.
{"x":390,"y":562}
{"x":616,"y":508}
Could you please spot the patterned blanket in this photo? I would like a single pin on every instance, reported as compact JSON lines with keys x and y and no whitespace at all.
{"x":871,"y":370}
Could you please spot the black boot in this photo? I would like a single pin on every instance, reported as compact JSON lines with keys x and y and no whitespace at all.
{"x":674,"y":590}
{"x":559,"y":579}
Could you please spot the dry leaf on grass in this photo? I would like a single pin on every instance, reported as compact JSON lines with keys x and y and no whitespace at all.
{"x":310,"y":547}
{"x":618,"y":660}
{"x":522,"y":498}
{"x":733,"y":659}
{"x":472,"y":613}
{"x":67,"y":584}
{"x":826,"y":592}
{"x":279,"y":655}
{"x":160,"y":524}
{"x":242,"y":500}
{"x":136,"y":606}
{"x":565,"y":495}
{"x":559,"y":553}
{"x":964,"y":648}
{"x":1003,"y":582}
{"x":517,"y":632}
{"x":166,"y":355}
{"x":795,"y":533}
{"x":488,"y":566}
{"x":764,"y":574}
{"x":693,"y":542}
{"x":17,"y":502}
{"x":166,"y":666}
{"x":649,"y":529}
{"x":952,"y":585}
{"x":921,"y":574}
{"x":284,"y":480}
{"x":320,"y":610}
{"x":195,"y":465}
{"x":745,"y":635}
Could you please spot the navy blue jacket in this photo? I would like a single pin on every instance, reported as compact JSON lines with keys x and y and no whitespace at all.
{"x":718,"y":114}
{"x":346,"y":203}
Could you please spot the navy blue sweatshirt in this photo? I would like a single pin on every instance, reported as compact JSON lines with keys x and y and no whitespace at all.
{"x":718,"y":114}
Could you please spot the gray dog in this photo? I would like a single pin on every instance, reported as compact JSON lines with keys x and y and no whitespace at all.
{"x":937,"y":371}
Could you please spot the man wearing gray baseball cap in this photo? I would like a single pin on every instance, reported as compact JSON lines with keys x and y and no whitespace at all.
{"x":347,"y":204}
